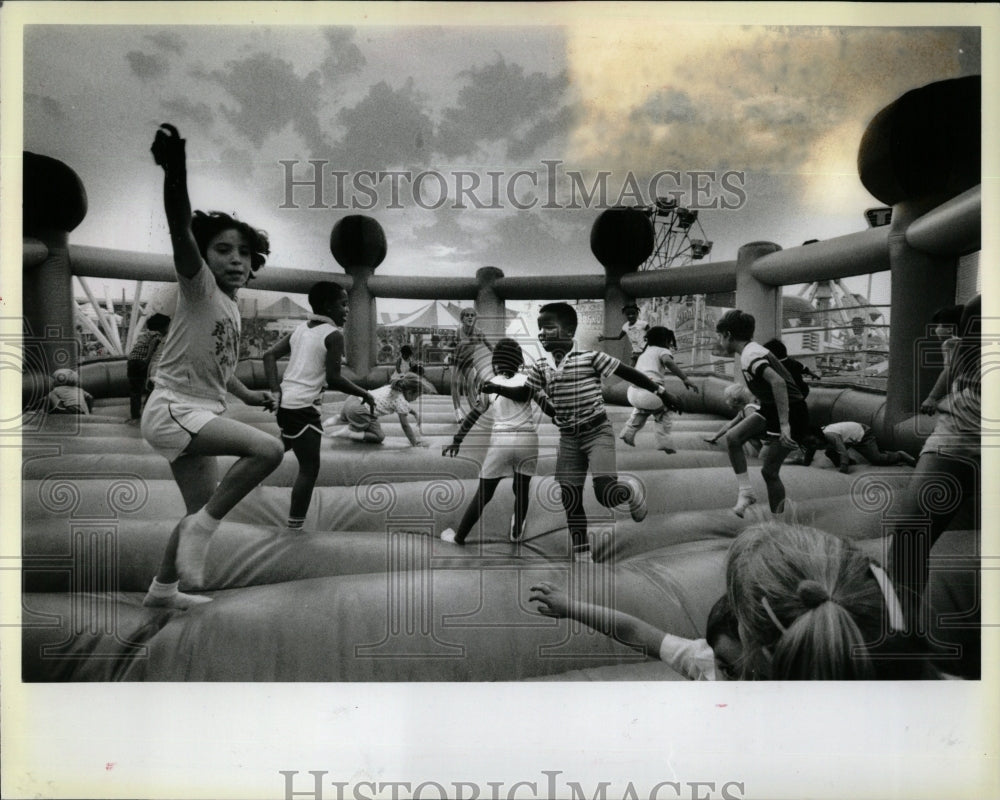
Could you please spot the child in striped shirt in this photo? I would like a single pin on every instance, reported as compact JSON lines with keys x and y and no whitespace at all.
{"x":572,"y":384}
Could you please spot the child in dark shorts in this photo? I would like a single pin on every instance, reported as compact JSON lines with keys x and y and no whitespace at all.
{"x":314,"y":349}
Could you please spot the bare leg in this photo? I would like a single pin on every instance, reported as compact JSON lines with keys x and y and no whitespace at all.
{"x":772,"y":455}
{"x":522,"y":497}
{"x":483,"y":495}
{"x":260,"y":454}
{"x":306,"y":448}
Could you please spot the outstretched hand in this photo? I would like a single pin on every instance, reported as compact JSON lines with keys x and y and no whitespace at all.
{"x":168,"y":147}
{"x":552,"y":602}
{"x":450,"y":449}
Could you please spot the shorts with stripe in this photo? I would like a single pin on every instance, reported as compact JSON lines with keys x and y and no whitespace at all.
{"x":294,"y":422}
{"x":170,"y":420}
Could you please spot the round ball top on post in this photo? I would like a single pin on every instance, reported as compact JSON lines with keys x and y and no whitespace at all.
{"x":925,"y":144}
{"x":357,"y":242}
{"x":53,"y":195}
{"x":621,"y":239}
{"x":486,"y":275}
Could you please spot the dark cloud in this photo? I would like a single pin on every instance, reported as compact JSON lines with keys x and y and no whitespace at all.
{"x":45,"y":104}
{"x":270,"y":95}
{"x":146,"y":66}
{"x":345,"y":57}
{"x":181,"y":108}
{"x":499,"y":103}
{"x":170,"y":42}
{"x":667,"y":106}
{"x":389,"y":127}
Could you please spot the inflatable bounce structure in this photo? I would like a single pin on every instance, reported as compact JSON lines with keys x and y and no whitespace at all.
{"x":368,"y":592}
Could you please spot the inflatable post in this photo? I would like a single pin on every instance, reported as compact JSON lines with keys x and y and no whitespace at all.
{"x":358,"y":244}
{"x":917,"y":152}
{"x":490,"y":306}
{"x":55,"y":202}
{"x":621,"y":239}
{"x":762,"y":300}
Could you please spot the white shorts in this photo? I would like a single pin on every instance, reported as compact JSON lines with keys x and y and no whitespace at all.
{"x":170,"y":420}
{"x":643,"y":400}
{"x":510,"y":452}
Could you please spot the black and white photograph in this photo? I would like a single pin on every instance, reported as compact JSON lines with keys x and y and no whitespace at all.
{"x":483,"y":401}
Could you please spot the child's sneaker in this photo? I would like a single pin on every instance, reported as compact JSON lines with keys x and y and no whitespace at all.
{"x":628,"y":436}
{"x":449,"y":535}
{"x":637,"y":503}
{"x":340,"y":432}
{"x":582,"y":555}
{"x":743,"y":502}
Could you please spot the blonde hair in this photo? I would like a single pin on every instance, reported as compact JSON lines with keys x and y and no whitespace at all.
{"x":737,"y":394}
{"x":407,"y":382}
{"x":807,"y":603}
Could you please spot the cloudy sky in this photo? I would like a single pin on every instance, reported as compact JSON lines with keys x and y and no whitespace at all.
{"x":771,"y":115}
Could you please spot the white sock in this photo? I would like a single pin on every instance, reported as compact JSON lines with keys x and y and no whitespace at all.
{"x":166,"y":595}
{"x":205,"y":521}
{"x":743,"y":481}
{"x":356,"y":435}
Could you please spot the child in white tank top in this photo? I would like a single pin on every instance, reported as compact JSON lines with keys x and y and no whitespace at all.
{"x":314,"y":351}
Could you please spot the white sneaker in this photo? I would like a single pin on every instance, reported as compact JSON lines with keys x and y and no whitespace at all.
{"x":637,"y":505}
{"x":743,"y":502}
{"x":449,"y":535}
{"x":583,"y":556}
{"x":340,"y":432}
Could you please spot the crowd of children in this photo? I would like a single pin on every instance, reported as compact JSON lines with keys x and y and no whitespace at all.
{"x":800,"y":603}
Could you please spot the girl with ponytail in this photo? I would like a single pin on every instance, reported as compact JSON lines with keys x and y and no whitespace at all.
{"x":811,"y":606}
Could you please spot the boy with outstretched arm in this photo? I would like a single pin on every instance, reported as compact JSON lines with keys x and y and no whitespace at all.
{"x":572,"y":384}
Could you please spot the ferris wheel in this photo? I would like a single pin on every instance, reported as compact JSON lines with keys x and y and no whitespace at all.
{"x":679,"y":237}
{"x":678,"y":240}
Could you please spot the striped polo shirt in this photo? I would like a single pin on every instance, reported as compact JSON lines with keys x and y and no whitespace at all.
{"x":574,"y":387}
{"x":754,"y":358}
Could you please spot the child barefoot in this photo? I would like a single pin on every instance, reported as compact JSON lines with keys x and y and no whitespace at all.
{"x":360,"y":421}
{"x":513,"y":446}
{"x":214,"y":255}
{"x":653,"y":362}
{"x":716,"y":657}
{"x":315,"y":349}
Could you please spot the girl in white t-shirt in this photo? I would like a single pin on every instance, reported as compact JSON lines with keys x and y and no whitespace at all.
{"x":655,"y":361}
{"x":214,"y":256}
{"x":513,"y":449}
